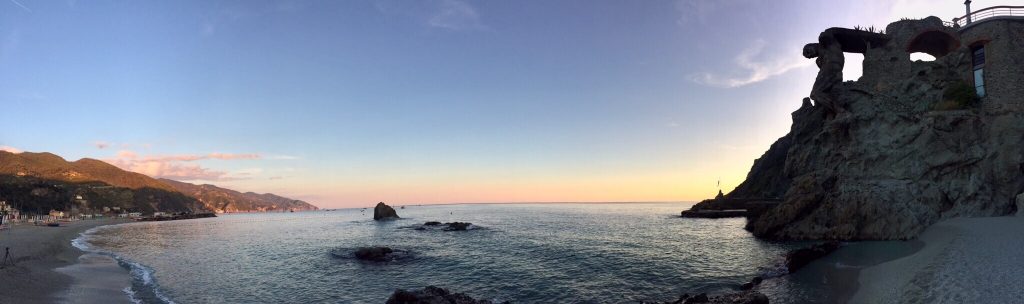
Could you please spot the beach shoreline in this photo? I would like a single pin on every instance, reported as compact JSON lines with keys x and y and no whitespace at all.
{"x":49,"y":269}
{"x":964,"y":260}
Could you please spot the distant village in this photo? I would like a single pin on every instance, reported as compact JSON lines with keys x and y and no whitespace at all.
{"x":9,"y":213}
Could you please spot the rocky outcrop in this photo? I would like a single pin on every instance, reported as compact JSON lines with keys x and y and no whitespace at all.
{"x":798,"y":258}
{"x":376,"y":254}
{"x":432,"y":295}
{"x":741,"y":297}
{"x":888,"y":155}
{"x":451,"y":226}
{"x":384,"y":212}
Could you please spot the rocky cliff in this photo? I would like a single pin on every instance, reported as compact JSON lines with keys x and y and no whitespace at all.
{"x":901,"y":148}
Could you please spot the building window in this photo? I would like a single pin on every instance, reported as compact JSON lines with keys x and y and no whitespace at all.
{"x":979,"y":70}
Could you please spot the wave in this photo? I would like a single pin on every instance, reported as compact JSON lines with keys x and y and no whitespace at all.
{"x":144,"y":287}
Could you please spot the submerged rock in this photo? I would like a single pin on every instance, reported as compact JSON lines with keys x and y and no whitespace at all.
{"x":799,"y":258}
{"x":450,"y":226}
{"x":376,"y":254}
{"x":432,"y":295}
{"x":384,"y":212}
{"x":742,"y":297}
{"x":457,"y":226}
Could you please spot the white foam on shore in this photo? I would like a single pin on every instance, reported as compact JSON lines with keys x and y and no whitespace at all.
{"x":131,"y":295}
{"x":139,"y":273}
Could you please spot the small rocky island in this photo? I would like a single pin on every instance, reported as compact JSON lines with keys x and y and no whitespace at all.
{"x":450,"y":226}
{"x":384,"y":212}
{"x":376,"y":254}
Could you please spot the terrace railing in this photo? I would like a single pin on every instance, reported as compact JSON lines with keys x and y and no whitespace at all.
{"x":990,"y":12}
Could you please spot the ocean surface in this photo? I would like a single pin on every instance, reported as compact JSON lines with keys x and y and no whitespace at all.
{"x":524,"y":253}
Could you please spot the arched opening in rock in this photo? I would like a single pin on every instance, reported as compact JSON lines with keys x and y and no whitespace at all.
{"x":853,"y":66}
{"x":922,"y":56}
{"x":934,"y":43}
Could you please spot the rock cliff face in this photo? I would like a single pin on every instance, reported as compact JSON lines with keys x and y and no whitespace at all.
{"x":892,"y":153}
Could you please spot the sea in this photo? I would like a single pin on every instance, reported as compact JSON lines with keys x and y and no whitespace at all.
{"x":522,"y":253}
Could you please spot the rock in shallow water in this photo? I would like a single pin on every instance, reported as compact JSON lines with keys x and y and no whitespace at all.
{"x":384,"y":212}
{"x":451,"y":226}
{"x":799,"y":258}
{"x":432,"y":295}
{"x":377,"y":254}
{"x":742,"y":297}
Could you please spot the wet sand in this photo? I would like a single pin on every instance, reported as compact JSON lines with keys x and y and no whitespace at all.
{"x":834,"y":278}
{"x":964,"y":260}
{"x":38,"y":252}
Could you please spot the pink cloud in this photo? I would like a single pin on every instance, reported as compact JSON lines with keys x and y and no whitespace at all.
{"x":227,"y":156}
{"x":174,"y":166}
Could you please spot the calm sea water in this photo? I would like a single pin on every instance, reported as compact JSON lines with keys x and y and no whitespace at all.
{"x":525,"y":253}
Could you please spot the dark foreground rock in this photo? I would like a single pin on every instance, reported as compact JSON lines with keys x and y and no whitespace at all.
{"x":742,"y":297}
{"x":432,"y":295}
{"x":384,"y":212}
{"x":799,"y":258}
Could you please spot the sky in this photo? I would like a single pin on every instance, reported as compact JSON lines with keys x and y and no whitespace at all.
{"x":347,"y":103}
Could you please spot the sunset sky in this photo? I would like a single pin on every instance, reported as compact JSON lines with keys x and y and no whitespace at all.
{"x":346,"y":103}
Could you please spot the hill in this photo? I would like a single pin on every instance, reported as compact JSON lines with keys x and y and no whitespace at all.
{"x":40,"y":182}
{"x":227,"y":200}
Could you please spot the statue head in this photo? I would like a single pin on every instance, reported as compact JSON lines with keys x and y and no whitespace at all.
{"x":811,"y":50}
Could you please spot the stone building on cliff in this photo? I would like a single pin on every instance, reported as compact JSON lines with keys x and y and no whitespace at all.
{"x":907,"y":144}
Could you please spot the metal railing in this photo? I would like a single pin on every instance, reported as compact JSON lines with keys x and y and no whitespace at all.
{"x":989,"y":12}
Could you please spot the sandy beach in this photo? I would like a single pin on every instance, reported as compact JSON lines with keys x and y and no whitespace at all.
{"x":48,"y":269}
{"x":964,"y":260}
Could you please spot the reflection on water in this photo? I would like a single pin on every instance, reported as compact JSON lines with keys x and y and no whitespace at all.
{"x":528,"y":253}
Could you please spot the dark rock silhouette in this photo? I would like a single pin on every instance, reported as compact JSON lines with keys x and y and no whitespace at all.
{"x":384,"y":212}
{"x":432,"y":295}
{"x":742,"y":297}
{"x":376,"y":254}
{"x":450,"y":226}
{"x":799,"y":258}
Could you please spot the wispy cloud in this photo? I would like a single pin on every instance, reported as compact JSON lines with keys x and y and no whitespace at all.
{"x":21,"y":5}
{"x":695,"y":11}
{"x":754,"y":69}
{"x":450,"y":15}
{"x":456,"y":15}
{"x":11,"y":149}
{"x":283,"y":157}
{"x":177,"y":167}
